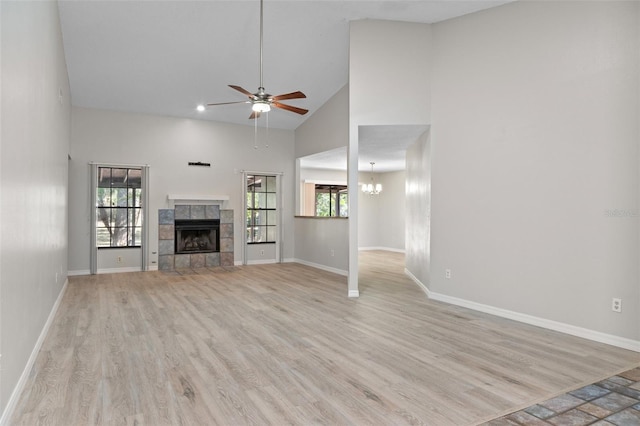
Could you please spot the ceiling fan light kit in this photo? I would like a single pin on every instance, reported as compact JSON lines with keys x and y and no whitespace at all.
{"x":261,"y":101}
{"x":261,"y":107}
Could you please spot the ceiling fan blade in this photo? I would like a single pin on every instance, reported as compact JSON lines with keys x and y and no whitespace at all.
{"x":241,"y":90}
{"x":292,"y":95}
{"x":254,"y":115}
{"x":297,"y":110}
{"x":229,"y":103}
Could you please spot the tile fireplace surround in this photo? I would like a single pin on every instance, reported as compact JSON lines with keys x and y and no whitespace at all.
{"x":169,"y":261}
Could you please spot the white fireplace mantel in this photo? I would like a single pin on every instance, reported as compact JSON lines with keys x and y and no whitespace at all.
{"x":197,"y":198}
{"x":194,"y":197}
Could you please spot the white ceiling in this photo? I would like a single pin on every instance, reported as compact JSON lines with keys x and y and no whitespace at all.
{"x":166,"y":57}
{"x":383,"y":145}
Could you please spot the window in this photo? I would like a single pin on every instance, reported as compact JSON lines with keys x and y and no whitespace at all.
{"x":261,"y":209}
{"x":332,"y":201}
{"x":119,"y":207}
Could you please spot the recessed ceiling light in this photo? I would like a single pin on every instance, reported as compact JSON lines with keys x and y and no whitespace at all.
{"x":200,"y":108}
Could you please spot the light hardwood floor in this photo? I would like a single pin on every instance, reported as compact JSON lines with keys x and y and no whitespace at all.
{"x":282,"y":344}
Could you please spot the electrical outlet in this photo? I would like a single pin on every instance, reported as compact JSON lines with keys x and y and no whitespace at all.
{"x":333,"y":253}
{"x":119,"y":259}
{"x":261,"y":252}
{"x":447,"y":273}
{"x":616,"y":305}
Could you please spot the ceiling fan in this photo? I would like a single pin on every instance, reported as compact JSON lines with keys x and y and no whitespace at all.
{"x":261,"y":101}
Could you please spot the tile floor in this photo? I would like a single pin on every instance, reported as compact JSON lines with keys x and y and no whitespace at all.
{"x":614,"y":401}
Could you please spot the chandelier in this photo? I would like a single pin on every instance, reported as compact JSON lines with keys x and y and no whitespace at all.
{"x":371,"y":188}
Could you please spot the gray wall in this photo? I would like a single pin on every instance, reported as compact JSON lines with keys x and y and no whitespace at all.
{"x":327,"y":128}
{"x":392,"y":58}
{"x":167,"y":145}
{"x":535,"y":148}
{"x":418,"y":209}
{"x":381,"y":218}
{"x":322,"y":243}
{"x":35,"y":128}
{"x":317,"y":239}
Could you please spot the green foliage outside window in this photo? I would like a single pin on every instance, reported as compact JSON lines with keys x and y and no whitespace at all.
{"x":261,"y":209}
{"x":119,"y":207}
{"x":332,"y":201}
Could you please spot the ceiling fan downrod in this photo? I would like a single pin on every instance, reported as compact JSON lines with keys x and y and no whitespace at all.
{"x":261,"y":101}
{"x":261,"y":87}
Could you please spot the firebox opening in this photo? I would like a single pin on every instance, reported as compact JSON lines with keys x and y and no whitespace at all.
{"x":197,"y":236}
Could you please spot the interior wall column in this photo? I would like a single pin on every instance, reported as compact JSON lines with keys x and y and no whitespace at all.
{"x":352,"y":179}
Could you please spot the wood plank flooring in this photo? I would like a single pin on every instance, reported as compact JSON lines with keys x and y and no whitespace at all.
{"x":282,"y":344}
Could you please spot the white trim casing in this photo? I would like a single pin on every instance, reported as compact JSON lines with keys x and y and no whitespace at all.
{"x":585,"y":333}
{"x":244,"y":214}
{"x":78,"y":272}
{"x":93,"y":245}
{"x":279,"y":222}
{"x":144,"y":250}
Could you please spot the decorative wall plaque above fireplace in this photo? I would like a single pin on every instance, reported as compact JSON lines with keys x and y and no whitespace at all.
{"x":197,"y":236}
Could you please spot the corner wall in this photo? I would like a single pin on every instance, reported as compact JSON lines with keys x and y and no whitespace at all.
{"x":327,"y":128}
{"x":35,"y":128}
{"x":418,"y":210}
{"x":536,"y":161}
{"x":317,"y":239}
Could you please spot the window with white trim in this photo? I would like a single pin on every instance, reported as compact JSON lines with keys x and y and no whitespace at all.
{"x":119,"y":207}
{"x":262,"y":216}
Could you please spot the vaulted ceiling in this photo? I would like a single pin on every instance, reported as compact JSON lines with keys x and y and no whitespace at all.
{"x":166,"y":57}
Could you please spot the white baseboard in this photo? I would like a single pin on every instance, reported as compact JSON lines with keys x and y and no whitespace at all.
{"x":354,"y":293}
{"x":17,"y":390}
{"x":585,"y":333}
{"x":119,"y":270}
{"x":109,"y":270}
{"x":417,"y":281}
{"x":237,"y":263}
{"x":381,"y":249}
{"x":261,"y":262}
{"x":78,"y":272}
{"x":323,"y":267}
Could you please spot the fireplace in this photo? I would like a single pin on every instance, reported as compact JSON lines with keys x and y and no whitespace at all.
{"x":197,"y":236}
{"x":208,"y":242}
